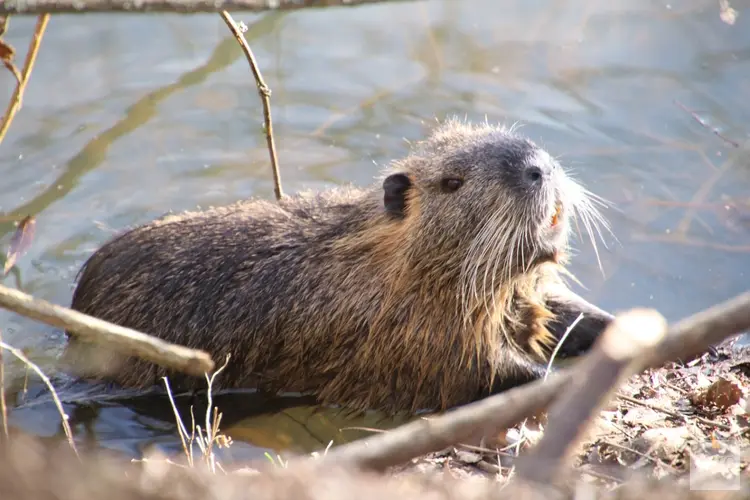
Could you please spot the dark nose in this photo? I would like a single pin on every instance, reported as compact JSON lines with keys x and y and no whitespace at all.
{"x":534,"y":175}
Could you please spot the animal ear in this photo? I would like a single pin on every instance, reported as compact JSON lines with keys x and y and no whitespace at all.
{"x":567,"y":306}
{"x":395,"y":187}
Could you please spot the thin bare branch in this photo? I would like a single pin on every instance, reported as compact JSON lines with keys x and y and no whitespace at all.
{"x":15,"y":100}
{"x":265,"y":97}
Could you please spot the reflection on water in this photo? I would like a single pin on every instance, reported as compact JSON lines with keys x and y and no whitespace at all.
{"x":128,"y":118}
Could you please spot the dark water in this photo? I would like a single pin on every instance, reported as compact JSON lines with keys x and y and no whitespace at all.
{"x":128,"y":116}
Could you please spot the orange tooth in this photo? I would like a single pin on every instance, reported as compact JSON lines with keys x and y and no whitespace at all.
{"x":556,"y":215}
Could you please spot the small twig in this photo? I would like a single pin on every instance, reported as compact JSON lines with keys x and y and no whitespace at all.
{"x":489,"y":467}
{"x":265,"y":97}
{"x":15,"y":101}
{"x":192,"y":427}
{"x":366,"y":429}
{"x":703,"y":123}
{"x":651,"y":406}
{"x":609,"y":362}
{"x":643,"y":455}
{"x":90,"y":329}
{"x":65,"y":425}
{"x":601,"y":475}
{"x":673,"y":414}
{"x":483,"y":449}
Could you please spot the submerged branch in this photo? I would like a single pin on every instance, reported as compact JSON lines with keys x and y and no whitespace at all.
{"x":29,"y":7}
{"x":124,"y":340}
{"x":501,"y":411}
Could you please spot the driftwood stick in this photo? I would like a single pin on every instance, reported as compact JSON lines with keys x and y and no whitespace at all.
{"x":33,"y":7}
{"x":90,"y":329}
{"x":609,"y":363}
{"x":689,"y":336}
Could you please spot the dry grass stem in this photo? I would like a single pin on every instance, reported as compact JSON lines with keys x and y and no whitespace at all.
{"x":185,"y":438}
{"x":560,"y":344}
{"x":206,"y":443}
{"x":265,"y":97}
{"x":91,"y":329}
{"x":64,"y":417}
{"x":15,"y":101}
{"x":206,"y":437}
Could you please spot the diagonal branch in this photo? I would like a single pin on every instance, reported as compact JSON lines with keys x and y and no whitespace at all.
{"x":124,"y":340}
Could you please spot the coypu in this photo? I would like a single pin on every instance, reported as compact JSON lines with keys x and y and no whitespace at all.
{"x":437,"y":286}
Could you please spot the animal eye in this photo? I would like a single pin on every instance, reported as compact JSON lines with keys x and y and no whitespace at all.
{"x":451,"y":184}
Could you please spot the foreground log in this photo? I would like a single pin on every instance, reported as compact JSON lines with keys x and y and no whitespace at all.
{"x":33,"y":7}
{"x":32,"y":470}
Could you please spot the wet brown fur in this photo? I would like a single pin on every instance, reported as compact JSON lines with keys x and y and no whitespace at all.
{"x":331,"y":294}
